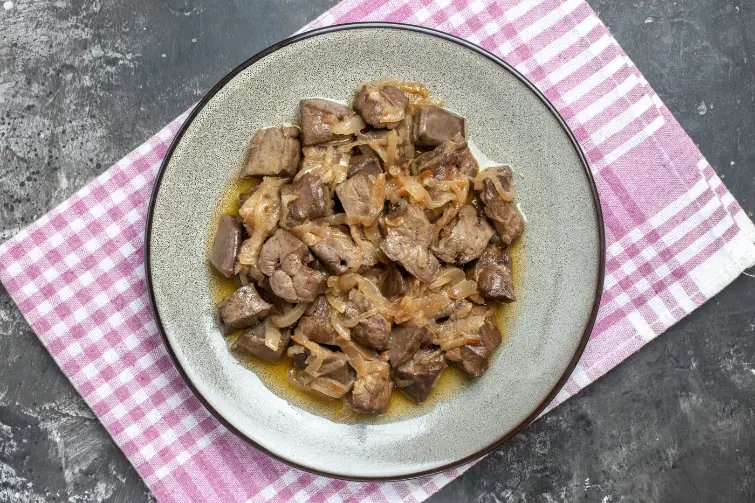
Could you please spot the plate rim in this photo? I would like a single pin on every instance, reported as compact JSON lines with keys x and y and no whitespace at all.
{"x":468,"y":45}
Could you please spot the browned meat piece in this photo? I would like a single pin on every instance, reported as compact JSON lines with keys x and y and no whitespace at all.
{"x":417,"y":377}
{"x":408,"y":236}
{"x":474,"y":359}
{"x":493,"y":275}
{"x":242,"y":309}
{"x":253,"y":342}
{"x":282,"y":244}
{"x":305,"y":199}
{"x":317,"y":118}
{"x":394,"y":284}
{"x":283,"y":258}
{"x":449,"y":158}
{"x":225,"y":248}
{"x":367,"y":164}
{"x":280,"y":306}
{"x":465,"y":238}
{"x":372,"y":331}
{"x":334,"y":378}
{"x":371,"y":393}
{"x":315,"y":324}
{"x":333,"y":363}
{"x":434,"y":125}
{"x":507,"y":220}
{"x":382,"y":108}
{"x":247,"y":194}
{"x":362,"y":197}
{"x":335,"y":249}
{"x":404,"y":342}
{"x":274,"y":152}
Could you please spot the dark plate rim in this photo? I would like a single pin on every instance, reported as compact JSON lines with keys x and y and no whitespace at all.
{"x":505,"y":66}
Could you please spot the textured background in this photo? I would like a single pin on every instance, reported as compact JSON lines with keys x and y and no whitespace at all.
{"x":83,"y":82}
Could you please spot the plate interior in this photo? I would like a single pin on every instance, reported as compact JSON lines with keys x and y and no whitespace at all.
{"x":559,"y":257}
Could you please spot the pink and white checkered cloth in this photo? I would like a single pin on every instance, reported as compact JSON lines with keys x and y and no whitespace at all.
{"x":675,"y":236}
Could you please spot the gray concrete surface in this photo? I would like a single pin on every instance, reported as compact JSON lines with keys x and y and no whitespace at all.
{"x":83,"y":82}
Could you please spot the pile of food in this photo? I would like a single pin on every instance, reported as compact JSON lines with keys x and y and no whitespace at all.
{"x":373,"y":251}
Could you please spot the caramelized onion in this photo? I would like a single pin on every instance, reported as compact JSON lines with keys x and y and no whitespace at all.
{"x":463,"y":311}
{"x":448,"y":341}
{"x":463,"y":289}
{"x":336,"y":303}
{"x":348,"y":125}
{"x":289,"y":317}
{"x":489,"y":174}
{"x":335,"y":321}
{"x":260,"y":213}
{"x":447,"y":275}
{"x":272,"y":336}
{"x":329,"y":387}
{"x":352,"y":322}
{"x":391,"y":148}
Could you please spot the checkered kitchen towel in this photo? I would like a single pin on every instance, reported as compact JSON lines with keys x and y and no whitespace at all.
{"x":675,"y":236}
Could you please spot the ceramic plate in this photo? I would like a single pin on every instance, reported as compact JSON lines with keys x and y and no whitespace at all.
{"x":559,"y":264}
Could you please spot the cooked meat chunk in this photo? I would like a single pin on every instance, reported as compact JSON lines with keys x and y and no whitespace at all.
{"x":265,"y":290}
{"x":373,"y":331}
{"x":493,"y":275}
{"x":315,"y":324}
{"x":381,"y":107}
{"x":305,"y":199}
{"x":333,"y":379}
{"x":334,"y":362}
{"x":393,"y":284}
{"x":446,"y":160}
{"x":371,"y":393}
{"x":465,"y":238}
{"x":253,"y":342}
{"x":274,"y":152}
{"x":434,"y":125}
{"x":284,"y":259}
{"x":507,"y":220}
{"x":408,"y":236}
{"x":335,"y":249}
{"x":225,"y":248}
{"x":363,"y":164}
{"x":417,"y":377}
{"x":242,"y":309}
{"x":362,"y":197}
{"x":475,"y":358}
{"x":281,"y":245}
{"x":318,"y":116}
{"x":404,"y":342}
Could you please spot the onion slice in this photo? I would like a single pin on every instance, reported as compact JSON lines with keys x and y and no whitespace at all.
{"x":289,"y":317}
